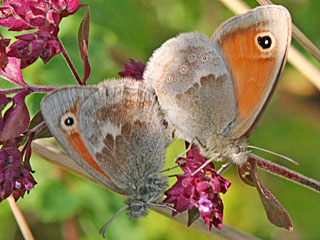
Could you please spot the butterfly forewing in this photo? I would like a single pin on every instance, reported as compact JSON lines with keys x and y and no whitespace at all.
{"x":255,"y":47}
{"x":60,"y":110}
{"x":122,"y":129}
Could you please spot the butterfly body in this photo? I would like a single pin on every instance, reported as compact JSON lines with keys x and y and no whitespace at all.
{"x":115,"y":132}
{"x":214,"y":91}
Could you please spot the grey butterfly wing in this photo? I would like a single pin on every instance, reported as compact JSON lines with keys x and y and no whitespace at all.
{"x":124,"y":132}
{"x":60,"y":110}
{"x":193,"y":85}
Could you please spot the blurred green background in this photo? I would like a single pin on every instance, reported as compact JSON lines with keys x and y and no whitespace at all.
{"x":121,"y":29}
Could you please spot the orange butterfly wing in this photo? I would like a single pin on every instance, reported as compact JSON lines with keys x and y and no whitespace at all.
{"x":255,"y":47}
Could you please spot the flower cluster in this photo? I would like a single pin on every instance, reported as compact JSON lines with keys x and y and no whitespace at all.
{"x":20,"y":15}
{"x":43,"y":15}
{"x":15,"y":177}
{"x":199,"y":191}
{"x":10,"y":67}
{"x":15,"y":172}
{"x":30,"y":47}
{"x":134,"y":69}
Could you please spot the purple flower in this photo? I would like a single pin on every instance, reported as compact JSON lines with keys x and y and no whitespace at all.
{"x":200,"y":191}
{"x":15,"y":179}
{"x":3,"y":103}
{"x":66,"y":7}
{"x":9,"y":66}
{"x":134,"y":70}
{"x":43,"y":15}
{"x":20,"y":15}
{"x":10,"y":19}
{"x":30,"y":47}
{"x":4,"y":43}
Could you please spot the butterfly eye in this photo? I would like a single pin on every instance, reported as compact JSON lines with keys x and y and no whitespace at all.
{"x":237,"y":150}
{"x":265,"y":41}
{"x":68,"y":121}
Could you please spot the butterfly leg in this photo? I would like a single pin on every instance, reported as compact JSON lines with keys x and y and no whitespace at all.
{"x":205,"y":164}
{"x":180,"y":155}
{"x":202,"y":166}
{"x":224,"y":167}
{"x":200,"y":143}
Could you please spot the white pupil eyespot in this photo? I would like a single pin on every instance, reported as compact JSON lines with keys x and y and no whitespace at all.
{"x":169,"y":79}
{"x":183,"y":69}
{"x":68,"y":121}
{"x":192,"y":57}
{"x":265,"y":42}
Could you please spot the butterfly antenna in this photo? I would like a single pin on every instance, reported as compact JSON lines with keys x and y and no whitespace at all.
{"x":105,"y":227}
{"x":276,"y":154}
{"x":162,"y":205}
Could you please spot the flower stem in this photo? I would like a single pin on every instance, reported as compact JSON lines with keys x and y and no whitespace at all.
{"x":11,"y":91}
{"x":69,"y":62}
{"x":40,"y":89}
{"x":23,"y":225}
{"x":31,"y":88}
{"x":11,"y":79}
{"x":37,"y":128}
{"x":287,"y":173}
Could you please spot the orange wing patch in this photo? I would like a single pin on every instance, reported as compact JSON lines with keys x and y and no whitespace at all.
{"x":252,"y":70}
{"x":78,"y":146}
{"x":74,"y":139}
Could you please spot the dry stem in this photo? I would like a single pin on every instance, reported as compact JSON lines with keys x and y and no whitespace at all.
{"x":22,"y":223}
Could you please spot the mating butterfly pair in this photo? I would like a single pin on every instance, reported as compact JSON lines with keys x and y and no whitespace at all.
{"x":211,"y":92}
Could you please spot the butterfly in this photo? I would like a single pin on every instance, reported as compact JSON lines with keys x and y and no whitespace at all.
{"x":114,"y":131}
{"x":214,"y":91}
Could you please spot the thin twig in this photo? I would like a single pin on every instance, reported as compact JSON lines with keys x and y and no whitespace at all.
{"x":11,"y":79}
{"x":286,"y":173}
{"x":40,"y":88}
{"x":11,"y":91}
{"x":22,"y":223}
{"x":69,"y":62}
{"x":37,"y":128}
{"x":31,"y":88}
{"x":53,"y":154}
{"x":299,"y":61}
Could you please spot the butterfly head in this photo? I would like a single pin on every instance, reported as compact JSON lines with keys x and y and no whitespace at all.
{"x":146,"y":194}
{"x":221,"y":148}
{"x":239,"y":153}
